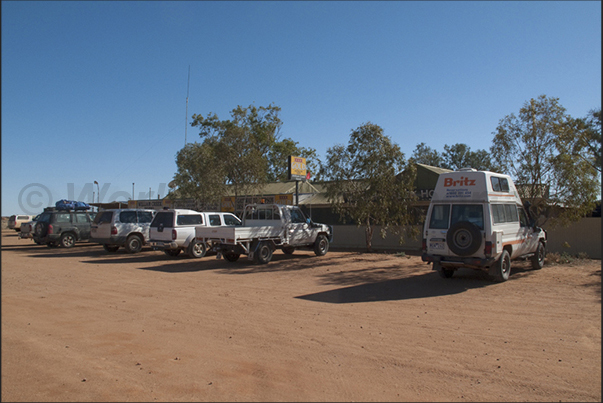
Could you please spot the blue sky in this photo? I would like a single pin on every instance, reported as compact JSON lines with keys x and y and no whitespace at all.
{"x":96,"y":91}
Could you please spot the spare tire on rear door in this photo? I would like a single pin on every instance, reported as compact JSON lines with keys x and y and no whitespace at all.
{"x":464,"y":238}
{"x":41,"y":229}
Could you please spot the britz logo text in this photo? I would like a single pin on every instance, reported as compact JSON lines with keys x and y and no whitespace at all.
{"x":449,"y":182}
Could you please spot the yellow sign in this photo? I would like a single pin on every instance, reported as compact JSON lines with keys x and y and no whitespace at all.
{"x":297,"y":168}
{"x":284,"y":199}
{"x":228,"y":204}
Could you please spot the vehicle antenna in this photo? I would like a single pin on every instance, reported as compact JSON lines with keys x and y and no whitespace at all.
{"x":186,"y":117}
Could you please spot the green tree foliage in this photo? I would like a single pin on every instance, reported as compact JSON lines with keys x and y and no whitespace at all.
{"x":541,"y":151}
{"x":244,"y":151}
{"x":454,"y":157}
{"x":371,"y":183}
{"x":200,"y":175}
{"x":587,"y":142}
{"x":426,"y":155}
{"x":460,"y":156}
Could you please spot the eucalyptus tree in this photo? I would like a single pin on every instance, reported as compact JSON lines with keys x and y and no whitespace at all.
{"x":539,"y":148}
{"x":243,"y":152}
{"x":370,"y":182}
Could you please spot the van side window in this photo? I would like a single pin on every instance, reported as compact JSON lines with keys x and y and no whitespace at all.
{"x":440,"y":214}
{"x":499,"y":184}
{"x":498,"y":213}
{"x":511,"y":213}
{"x":502,"y":213}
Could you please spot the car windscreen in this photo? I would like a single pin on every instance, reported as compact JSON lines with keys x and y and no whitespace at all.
{"x":165,"y":218}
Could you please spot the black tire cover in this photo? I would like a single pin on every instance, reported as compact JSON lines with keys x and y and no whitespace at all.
{"x":41,"y":229}
{"x":464,"y":238}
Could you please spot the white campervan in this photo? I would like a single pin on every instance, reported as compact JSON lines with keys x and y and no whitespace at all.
{"x":476,"y":219}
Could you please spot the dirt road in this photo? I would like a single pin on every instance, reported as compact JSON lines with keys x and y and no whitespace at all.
{"x":80,"y":324}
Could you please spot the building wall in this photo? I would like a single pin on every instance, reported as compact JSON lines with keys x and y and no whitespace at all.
{"x":583,"y":236}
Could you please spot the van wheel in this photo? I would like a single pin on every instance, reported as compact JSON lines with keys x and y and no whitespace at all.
{"x":196,"y":249}
{"x":67,"y":240}
{"x":321,"y":246}
{"x":172,"y":252}
{"x":538,"y":257}
{"x":110,"y":248}
{"x":288,"y":250}
{"x":502,"y":268}
{"x":133,"y":244}
{"x":263,"y":254}
{"x":464,"y":238}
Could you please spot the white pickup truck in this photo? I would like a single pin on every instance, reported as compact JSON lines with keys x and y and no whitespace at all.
{"x":267,"y":227}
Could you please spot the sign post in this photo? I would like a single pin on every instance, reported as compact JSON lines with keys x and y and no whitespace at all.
{"x":297,"y":172}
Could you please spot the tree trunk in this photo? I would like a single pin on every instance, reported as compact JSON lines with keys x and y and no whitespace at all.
{"x":368,"y":232}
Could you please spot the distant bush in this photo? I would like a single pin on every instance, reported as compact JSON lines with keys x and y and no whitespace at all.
{"x":565,"y":258}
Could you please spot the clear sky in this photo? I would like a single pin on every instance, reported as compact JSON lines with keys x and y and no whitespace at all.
{"x":96,"y":90}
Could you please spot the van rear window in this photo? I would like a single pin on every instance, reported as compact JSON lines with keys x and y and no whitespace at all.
{"x":474,"y":213}
{"x":440,"y":214}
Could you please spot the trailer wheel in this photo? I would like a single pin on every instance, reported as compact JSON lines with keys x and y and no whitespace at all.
{"x":263,"y":254}
{"x":231,"y":256}
{"x":321,"y":246}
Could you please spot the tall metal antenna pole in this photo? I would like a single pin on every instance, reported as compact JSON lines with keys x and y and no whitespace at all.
{"x":186,"y":117}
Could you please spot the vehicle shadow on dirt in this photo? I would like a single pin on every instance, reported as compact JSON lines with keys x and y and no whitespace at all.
{"x":78,"y":250}
{"x":426,"y":285}
{"x":281,"y":262}
{"x":410,"y":284}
